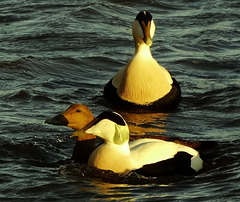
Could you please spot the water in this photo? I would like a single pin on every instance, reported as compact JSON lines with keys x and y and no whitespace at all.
{"x":54,"y":53}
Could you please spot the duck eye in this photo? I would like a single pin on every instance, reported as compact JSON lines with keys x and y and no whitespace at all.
{"x":78,"y":110}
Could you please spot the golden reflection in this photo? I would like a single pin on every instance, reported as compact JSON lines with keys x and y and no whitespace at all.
{"x":110,"y":192}
{"x":113,"y":191}
{"x":106,"y":186}
{"x":147,"y":123}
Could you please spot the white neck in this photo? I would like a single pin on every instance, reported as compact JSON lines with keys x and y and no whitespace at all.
{"x":123,"y":148}
{"x":142,"y":80}
{"x":109,"y":156}
{"x":142,"y":49}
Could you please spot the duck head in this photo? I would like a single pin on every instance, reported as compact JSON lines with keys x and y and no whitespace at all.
{"x":110,"y":126}
{"x":76,"y":117}
{"x":143,"y":28}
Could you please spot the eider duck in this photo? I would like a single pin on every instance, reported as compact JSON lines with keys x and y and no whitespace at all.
{"x":143,"y":83}
{"x":76,"y":117}
{"x":149,"y":157}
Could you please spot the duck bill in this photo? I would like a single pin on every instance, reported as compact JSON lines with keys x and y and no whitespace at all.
{"x":146,"y":30}
{"x":82,"y":132}
{"x":58,"y":120}
{"x":78,"y":133}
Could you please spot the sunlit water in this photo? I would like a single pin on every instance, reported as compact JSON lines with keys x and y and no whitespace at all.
{"x":53,"y":54}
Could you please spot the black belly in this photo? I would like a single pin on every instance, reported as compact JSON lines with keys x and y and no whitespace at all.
{"x":167,"y":103}
{"x":180,"y":164}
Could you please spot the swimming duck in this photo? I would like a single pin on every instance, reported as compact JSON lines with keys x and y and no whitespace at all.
{"x":76,"y":117}
{"x":143,"y":83}
{"x":149,"y":157}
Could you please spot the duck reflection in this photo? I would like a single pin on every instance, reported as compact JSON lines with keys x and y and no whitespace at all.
{"x":146,"y":123}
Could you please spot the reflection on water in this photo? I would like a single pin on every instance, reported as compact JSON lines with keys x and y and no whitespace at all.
{"x":147,"y":123}
{"x":112,"y":192}
{"x":55,"y":53}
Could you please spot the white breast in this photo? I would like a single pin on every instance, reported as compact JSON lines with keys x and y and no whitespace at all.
{"x":143,"y":80}
{"x":111,"y":157}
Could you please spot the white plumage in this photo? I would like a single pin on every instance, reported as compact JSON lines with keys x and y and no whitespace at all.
{"x":142,"y":82}
{"x":120,"y":156}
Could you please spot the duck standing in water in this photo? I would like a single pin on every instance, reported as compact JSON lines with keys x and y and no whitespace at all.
{"x":143,"y":83}
{"x":149,"y":157}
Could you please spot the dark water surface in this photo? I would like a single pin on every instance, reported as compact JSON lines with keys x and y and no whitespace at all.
{"x":54,"y":53}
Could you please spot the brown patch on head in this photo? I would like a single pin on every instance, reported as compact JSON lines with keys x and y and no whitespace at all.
{"x":78,"y":116}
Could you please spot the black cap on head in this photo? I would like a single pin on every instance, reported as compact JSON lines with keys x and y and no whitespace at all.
{"x":112,"y":117}
{"x":144,"y":16}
